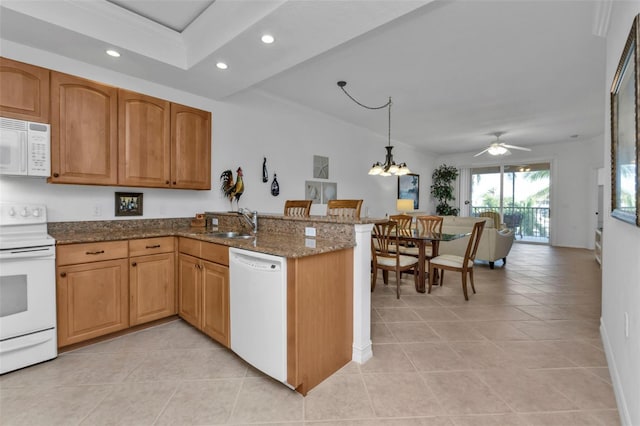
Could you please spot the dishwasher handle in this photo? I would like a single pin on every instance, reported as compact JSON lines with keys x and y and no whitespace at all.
{"x":256,"y":263}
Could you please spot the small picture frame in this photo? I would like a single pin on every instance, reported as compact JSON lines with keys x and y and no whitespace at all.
{"x":128,"y":204}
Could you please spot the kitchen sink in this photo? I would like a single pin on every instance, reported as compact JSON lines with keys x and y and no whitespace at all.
{"x":233,"y":235}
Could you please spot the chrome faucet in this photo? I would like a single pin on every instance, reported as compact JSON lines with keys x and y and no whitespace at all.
{"x":251,"y":217}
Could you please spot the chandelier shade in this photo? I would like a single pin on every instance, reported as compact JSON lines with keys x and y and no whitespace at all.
{"x":389,"y":167}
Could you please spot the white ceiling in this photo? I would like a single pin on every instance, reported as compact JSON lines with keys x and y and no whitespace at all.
{"x":457,"y":70}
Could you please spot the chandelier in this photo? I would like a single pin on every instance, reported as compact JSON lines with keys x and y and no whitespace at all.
{"x":389,"y":167}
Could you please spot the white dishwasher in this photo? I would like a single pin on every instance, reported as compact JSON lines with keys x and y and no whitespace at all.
{"x":258,"y":310}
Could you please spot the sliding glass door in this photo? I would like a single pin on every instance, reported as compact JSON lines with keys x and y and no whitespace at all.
{"x":519,"y":193}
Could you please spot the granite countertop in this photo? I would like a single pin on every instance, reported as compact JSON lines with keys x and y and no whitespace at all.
{"x":277,"y":244}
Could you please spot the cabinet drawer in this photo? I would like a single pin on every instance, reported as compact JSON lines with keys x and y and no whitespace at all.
{"x":91,"y":252}
{"x":146,"y":246}
{"x":190,"y":246}
{"x":212,"y":252}
{"x":216,"y":253}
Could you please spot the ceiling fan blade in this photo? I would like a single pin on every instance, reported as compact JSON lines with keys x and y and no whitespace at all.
{"x":481,"y":152}
{"x":521,"y":148}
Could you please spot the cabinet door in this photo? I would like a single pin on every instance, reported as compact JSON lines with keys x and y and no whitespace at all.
{"x":25,"y":91}
{"x":84,"y":131}
{"x":190,"y":148}
{"x":92,"y":300}
{"x":215,"y":299}
{"x":151,"y":287}
{"x":189,"y":289}
{"x":144,"y":142}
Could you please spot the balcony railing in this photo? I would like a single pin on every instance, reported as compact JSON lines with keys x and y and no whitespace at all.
{"x":528,"y":223}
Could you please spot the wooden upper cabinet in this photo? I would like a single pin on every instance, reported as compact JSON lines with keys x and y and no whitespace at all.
{"x":24,"y":91}
{"x":144,"y":140}
{"x":84,"y":131}
{"x":191,"y":148}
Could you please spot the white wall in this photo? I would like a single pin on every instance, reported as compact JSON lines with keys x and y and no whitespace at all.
{"x":573,"y":184}
{"x":621,"y":256}
{"x":246,"y":128}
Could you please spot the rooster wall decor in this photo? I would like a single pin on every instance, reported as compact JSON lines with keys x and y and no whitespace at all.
{"x":230,"y":188}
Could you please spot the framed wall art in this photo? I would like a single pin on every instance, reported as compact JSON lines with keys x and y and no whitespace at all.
{"x":129,"y":204}
{"x":409,"y":187}
{"x":625,"y":149}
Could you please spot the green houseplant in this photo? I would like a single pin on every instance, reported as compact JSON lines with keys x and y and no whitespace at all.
{"x":442,"y":189}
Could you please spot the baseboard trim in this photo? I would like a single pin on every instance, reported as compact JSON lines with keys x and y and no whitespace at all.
{"x":618,"y":391}
{"x":362,"y":355}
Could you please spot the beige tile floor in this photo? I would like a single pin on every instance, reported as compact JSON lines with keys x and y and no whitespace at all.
{"x":524,"y":350}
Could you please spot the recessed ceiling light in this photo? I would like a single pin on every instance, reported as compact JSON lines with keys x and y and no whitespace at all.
{"x":222,"y":65}
{"x":113,"y":53}
{"x":267,"y":39}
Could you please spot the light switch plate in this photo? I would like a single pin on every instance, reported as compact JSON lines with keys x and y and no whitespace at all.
{"x":309,"y":232}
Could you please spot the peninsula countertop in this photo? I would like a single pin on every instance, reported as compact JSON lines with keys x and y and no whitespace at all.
{"x":277,"y":244}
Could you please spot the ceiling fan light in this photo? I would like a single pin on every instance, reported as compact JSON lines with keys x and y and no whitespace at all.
{"x":497,"y":150}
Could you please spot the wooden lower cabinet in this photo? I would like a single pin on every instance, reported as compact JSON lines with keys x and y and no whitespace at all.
{"x":319,"y":317}
{"x":203,"y":288}
{"x":189,"y":289}
{"x":92,"y":300}
{"x":215,"y":301}
{"x":152,"y":287}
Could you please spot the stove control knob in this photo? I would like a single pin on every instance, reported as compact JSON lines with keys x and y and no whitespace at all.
{"x":24,"y":212}
{"x":12,"y":212}
{"x":36,"y":212}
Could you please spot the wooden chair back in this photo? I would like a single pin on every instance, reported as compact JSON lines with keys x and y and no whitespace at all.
{"x":472,"y":247}
{"x":403,"y":220}
{"x":299,"y":208}
{"x":429,"y":224}
{"x":344,"y":208}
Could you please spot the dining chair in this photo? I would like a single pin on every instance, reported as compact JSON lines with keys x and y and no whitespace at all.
{"x":299,"y":208}
{"x":344,"y":208}
{"x":464,"y":265}
{"x":383,"y":235}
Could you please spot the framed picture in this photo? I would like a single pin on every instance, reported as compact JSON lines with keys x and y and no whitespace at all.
{"x":313,"y":191}
{"x":320,"y":167}
{"x":625,"y":150}
{"x":128,"y":204}
{"x":329,"y":191}
{"x":409,"y":188}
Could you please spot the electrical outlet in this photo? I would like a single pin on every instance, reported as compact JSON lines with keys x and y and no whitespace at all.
{"x":309,"y":232}
{"x":97,"y":210}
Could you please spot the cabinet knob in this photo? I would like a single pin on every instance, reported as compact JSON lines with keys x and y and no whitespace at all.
{"x":167,"y":182}
{"x":63,"y":274}
{"x":134,"y":264}
{"x":56,"y":175}
{"x":174,"y":182}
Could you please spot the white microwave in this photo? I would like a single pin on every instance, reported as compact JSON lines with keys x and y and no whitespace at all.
{"x":25,"y":148}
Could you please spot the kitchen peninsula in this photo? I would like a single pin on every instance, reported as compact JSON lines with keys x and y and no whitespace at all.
{"x":328,"y":283}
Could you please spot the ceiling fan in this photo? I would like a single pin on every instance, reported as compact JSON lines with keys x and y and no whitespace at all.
{"x":500,"y":148}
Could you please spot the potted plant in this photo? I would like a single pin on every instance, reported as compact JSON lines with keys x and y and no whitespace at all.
{"x":442,"y":189}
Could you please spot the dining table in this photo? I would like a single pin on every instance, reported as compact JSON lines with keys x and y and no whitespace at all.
{"x":420,"y":239}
